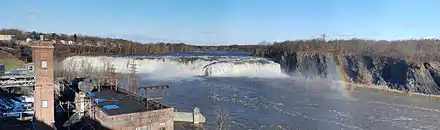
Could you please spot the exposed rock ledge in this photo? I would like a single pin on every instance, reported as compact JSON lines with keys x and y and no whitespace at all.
{"x":396,"y":74}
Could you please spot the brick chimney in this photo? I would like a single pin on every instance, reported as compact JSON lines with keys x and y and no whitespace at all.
{"x":42,"y":53}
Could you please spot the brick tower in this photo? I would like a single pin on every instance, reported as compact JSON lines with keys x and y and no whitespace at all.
{"x":42,"y":53}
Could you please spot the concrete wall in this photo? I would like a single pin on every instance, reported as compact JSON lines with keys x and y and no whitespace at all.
{"x":152,"y":119}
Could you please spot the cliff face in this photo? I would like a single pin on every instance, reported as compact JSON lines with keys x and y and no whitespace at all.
{"x":368,"y":70}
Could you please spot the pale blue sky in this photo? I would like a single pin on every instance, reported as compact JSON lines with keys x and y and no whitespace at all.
{"x":213,"y":22}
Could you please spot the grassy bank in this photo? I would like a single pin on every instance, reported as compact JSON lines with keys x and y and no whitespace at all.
{"x":10,"y":61}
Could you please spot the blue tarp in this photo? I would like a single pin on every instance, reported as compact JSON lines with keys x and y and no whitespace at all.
{"x":12,"y":114}
{"x":110,"y":107}
{"x":90,"y":95}
{"x":100,"y":100}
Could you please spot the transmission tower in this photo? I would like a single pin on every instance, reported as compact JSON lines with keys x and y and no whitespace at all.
{"x":133,"y":78}
{"x":323,"y":35}
{"x":113,"y":79}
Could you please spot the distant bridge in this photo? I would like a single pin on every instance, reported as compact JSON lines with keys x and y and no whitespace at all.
{"x":8,"y":81}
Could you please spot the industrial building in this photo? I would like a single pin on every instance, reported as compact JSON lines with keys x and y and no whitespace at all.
{"x":7,"y":37}
{"x":96,"y":104}
{"x":113,"y":108}
{"x":121,"y":110}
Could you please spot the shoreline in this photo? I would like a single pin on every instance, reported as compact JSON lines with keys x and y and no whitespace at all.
{"x":386,"y":89}
{"x":348,"y":86}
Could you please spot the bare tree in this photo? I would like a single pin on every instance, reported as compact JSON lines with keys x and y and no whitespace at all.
{"x":220,"y":112}
{"x":58,"y":69}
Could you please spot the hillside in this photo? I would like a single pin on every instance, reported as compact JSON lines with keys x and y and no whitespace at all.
{"x":421,"y":50}
{"x":10,"y":61}
{"x":91,"y":45}
{"x":404,"y":65}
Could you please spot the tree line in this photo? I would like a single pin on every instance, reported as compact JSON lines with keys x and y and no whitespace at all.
{"x":421,"y":50}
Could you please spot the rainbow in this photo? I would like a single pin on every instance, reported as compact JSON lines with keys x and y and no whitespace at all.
{"x":342,"y":79}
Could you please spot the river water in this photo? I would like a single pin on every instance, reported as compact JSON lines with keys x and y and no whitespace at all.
{"x":295,"y":103}
{"x":244,"y":92}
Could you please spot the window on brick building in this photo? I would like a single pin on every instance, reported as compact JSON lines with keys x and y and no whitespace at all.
{"x":143,"y":128}
{"x":44,"y":104}
{"x":43,"y":64}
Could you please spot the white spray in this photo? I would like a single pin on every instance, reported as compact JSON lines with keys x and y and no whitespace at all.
{"x":182,"y":66}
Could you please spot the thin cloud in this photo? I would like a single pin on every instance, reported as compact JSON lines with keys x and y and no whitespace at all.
{"x":32,"y":11}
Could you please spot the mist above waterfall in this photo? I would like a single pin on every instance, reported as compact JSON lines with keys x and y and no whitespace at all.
{"x":180,"y":66}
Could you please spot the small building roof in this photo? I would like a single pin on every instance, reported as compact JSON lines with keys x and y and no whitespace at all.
{"x":116,"y":103}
